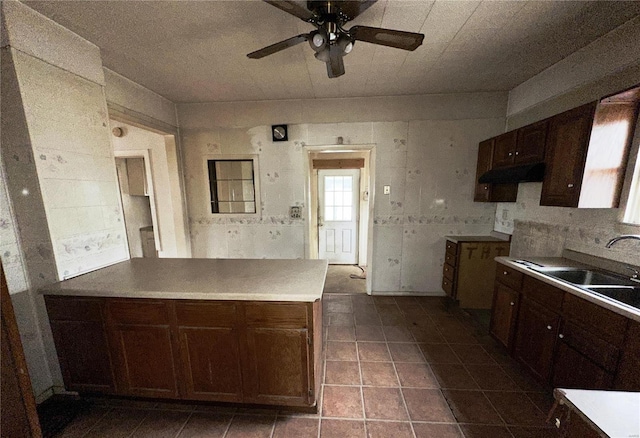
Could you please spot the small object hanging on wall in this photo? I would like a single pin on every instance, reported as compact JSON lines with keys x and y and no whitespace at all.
{"x":279,"y":133}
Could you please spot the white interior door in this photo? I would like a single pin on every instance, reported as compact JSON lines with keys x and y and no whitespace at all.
{"x":338,"y":203}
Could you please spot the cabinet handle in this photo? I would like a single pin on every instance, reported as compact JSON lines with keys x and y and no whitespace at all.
{"x":561,"y":336}
{"x":505,"y":273}
{"x":486,"y":187}
{"x":570,"y":186}
{"x":549,"y":327}
{"x":512,"y":303}
{"x":517,"y":152}
{"x":510,"y":153}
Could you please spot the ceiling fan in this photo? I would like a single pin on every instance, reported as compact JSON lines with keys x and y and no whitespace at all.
{"x":330,"y":40}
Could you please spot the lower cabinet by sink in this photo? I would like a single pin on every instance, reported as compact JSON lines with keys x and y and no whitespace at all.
{"x":563,"y":340}
{"x":229,"y":351}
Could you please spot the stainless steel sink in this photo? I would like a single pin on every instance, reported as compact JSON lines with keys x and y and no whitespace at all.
{"x":587,"y":277}
{"x":627,"y":294}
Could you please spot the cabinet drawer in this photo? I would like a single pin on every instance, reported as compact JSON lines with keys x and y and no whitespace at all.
{"x":450,"y":259}
{"x":448,"y":271}
{"x":543,"y":293}
{"x":601,"y":352}
{"x":132,"y":311}
{"x":447,"y":286}
{"x":452,"y":248}
{"x":509,"y":277}
{"x":74,"y":309}
{"x":606,"y":324}
{"x":276,"y":315}
{"x":206,"y":314}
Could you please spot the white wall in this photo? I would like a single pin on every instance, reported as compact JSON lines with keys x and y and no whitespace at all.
{"x":59,"y":171}
{"x":606,"y":66}
{"x":426,"y":149}
{"x":164,"y":174}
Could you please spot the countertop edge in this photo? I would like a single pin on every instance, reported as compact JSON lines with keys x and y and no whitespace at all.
{"x":230,"y":296}
{"x":620,"y":309}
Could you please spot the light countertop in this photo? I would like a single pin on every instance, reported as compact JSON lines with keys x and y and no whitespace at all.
{"x":614,"y":413}
{"x":201,"y":279}
{"x":614,"y":306}
{"x":458,"y":239}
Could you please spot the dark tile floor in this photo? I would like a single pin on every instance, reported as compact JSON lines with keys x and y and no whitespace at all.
{"x":394,"y":367}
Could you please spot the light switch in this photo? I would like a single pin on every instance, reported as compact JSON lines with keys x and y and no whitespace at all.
{"x":386,"y":190}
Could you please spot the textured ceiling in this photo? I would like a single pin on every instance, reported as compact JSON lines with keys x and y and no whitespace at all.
{"x":195,"y":51}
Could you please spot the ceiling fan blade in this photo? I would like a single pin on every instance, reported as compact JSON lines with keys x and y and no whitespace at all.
{"x":353,"y":8}
{"x":335,"y":65}
{"x":273,"y":48}
{"x":387,"y":37}
{"x":292,"y":8}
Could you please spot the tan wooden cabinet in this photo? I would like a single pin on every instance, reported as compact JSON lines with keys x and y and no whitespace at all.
{"x":469,"y":270}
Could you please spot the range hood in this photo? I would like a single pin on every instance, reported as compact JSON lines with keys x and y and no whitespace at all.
{"x":514,"y":174}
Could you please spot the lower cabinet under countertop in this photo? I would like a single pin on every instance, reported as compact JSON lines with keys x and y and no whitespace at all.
{"x":229,"y":351}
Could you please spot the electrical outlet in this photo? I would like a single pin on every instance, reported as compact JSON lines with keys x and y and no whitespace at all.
{"x":505,"y":214}
{"x":295,"y":212}
{"x":386,"y":190}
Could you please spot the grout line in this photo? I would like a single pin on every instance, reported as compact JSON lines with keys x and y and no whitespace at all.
{"x":226,"y":431}
{"x":110,"y":408}
{"x":184,"y":425}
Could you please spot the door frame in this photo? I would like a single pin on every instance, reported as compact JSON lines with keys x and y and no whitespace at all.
{"x":367,"y":179}
{"x":144,"y":154}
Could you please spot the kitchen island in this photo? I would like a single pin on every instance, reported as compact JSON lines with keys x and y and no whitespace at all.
{"x":229,"y":330}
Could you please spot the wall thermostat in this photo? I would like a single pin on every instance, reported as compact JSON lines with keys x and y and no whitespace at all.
{"x":279,"y":133}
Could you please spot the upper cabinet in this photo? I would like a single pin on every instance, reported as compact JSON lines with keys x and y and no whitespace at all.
{"x":504,"y":149}
{"x":587,"y":152}
{"x":531,"y":143}
{"x":486,"y":192}
{"x":567,"y":144}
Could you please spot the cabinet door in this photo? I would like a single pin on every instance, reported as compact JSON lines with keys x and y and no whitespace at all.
{"x":531,"y":143}
{"x":278,"y":354}
{"x":628,"y":376}
{"x":279,"y":362}
{"x":504,"y":148}
{"x":81,"y":343}
{"x":574,"y":370}
{"x":503,"y":316}
{"x":210,"y":351}
{"x":485,"y":152}
{"x":141,"y":340}
{"x":536,"y":338}
{"x":567,"y":143}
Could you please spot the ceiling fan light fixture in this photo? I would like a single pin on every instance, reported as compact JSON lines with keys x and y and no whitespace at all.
{"x":318,"y":40}
{"x":345,"y":43}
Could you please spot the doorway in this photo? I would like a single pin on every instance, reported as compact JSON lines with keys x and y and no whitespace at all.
{"x":340,"y":208}
{"x":338,"y":212}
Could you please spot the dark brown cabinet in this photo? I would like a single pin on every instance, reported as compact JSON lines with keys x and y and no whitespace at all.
{"x":531,"y":143}
{"x":566,"y":152}
{"x":491,"y":192}
{"x":81,"y":340}
{"x":142,"y":347}
{"x":628,"y":375}
{"x":231,"y":351}
{"x":210,"y":350}
{"x":536,"y":337}
{"x":504,"y":149}
{"x":503,"y":318}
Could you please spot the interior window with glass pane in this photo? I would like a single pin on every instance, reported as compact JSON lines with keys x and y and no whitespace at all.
{"x":338,"y":198}
{"x":232,"y":188}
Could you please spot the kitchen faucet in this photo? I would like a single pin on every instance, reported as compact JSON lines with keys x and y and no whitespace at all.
{"x":623,"y":237}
